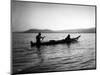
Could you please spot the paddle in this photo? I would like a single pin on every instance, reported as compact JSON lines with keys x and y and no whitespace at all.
{"x":43,"y":37}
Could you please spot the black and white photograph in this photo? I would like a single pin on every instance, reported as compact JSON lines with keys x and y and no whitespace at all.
{"x":52,"y":37}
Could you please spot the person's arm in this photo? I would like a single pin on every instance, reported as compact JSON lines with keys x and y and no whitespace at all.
{"x":43,"y":37}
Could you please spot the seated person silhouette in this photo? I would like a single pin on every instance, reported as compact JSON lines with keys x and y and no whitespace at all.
{"x":68,"y":37}
{"x":38,"y":38}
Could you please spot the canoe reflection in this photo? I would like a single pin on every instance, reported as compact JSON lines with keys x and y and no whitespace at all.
{"x":39,"y":53}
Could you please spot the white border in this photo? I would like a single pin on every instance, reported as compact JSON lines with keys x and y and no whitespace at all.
{"x":5,"y":38}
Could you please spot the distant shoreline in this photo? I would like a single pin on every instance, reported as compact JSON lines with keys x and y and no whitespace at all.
{"x":89,"y":30}
{"x":54,"y":32}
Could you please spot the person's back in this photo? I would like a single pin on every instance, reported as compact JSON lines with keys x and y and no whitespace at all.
{"x":38,"y":38}
{"x":68,"y":37}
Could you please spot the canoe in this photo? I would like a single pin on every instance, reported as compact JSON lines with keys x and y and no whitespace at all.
{"x":54,"y":42}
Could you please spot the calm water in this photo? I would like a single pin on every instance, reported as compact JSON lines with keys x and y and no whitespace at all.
{"x":60,"y":57}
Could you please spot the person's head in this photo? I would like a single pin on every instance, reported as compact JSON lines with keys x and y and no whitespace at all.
{"x":39,"y":33}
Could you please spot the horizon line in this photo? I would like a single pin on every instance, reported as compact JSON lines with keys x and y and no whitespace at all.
{"x":52,"y":29}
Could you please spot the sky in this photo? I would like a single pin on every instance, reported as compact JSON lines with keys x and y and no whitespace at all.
{"x":34,"y":15}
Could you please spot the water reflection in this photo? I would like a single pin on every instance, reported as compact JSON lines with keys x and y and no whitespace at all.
{"x":68,"y":45}
{"x":39,"y":53}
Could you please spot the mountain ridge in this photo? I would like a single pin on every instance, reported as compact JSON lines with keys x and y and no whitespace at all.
{"x":88,"y":30}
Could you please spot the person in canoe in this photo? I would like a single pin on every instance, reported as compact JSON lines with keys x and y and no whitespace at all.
{"x":68,"y":37}
{"x":38,"y":38}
